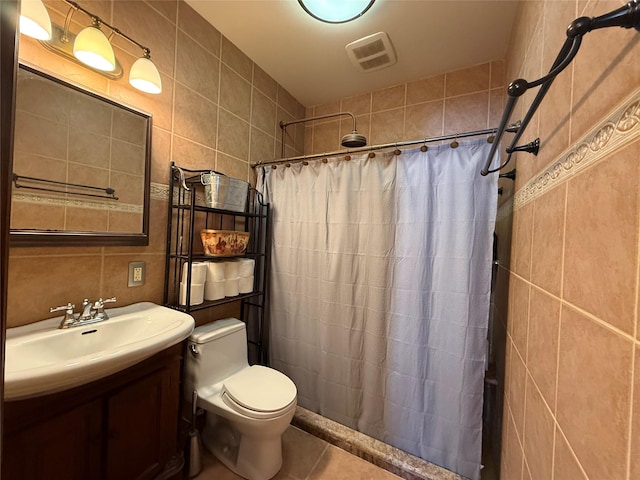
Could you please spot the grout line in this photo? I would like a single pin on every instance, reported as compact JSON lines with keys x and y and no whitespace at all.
{"x":313,"y":468}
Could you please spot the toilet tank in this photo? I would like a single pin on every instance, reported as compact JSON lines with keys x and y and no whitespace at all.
{"x":215,"y":351}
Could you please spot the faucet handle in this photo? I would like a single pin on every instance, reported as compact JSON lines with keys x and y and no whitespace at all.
{"x":99,"y":304}
{"x":68,"y":308}
{"x":69,"y":316}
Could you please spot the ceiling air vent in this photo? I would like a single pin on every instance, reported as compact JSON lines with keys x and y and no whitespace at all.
{"x":372,"y":53}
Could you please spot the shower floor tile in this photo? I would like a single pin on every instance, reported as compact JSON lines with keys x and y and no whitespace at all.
{"x":305,"y":457}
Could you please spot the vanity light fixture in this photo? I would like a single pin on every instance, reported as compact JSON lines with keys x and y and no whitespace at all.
{"x":335,"y":11}
{"x":92,"y":47}
{"x":34,"y":20}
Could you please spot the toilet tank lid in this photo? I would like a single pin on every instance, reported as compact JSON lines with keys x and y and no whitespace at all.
{"x":216,"y":329}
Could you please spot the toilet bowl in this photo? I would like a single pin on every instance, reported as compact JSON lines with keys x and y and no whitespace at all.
{"x":248,"y":407}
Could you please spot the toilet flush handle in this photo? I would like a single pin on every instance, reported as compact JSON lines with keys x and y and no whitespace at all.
{"x":193,"y":349}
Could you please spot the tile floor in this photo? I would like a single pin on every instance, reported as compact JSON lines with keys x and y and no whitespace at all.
{"x":305,"y":457}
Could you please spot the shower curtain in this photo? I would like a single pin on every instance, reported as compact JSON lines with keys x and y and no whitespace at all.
{"x":380,"y":285}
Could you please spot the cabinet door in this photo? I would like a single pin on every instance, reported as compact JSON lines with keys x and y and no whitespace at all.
{"x":67,"y":446}
{"x":142,"y":426}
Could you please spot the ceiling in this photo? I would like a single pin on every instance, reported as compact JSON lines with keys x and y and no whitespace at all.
{"x":308,"y":58}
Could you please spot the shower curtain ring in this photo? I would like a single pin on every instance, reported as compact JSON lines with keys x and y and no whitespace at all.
{"x":455,"y":143}
{"x":424,"y":147}
{"x":397,"y":151}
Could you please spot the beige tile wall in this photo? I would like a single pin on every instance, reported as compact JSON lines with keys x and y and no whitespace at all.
{"x":218,"y":110}
{"x":460,"y":101}
{"x":572,"y":393}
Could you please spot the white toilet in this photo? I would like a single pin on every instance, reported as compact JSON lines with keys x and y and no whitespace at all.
{"x":248,"y":407}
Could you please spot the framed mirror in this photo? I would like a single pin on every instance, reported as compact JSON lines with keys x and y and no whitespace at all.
{"x":81,"y":166}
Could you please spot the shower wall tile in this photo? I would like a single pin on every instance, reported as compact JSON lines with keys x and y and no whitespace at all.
{"x":513,"y":458}
{"x":386,"y":127}
{"x":605,"y":285}
{"x":538,"y":434}
{"x":425,"y":90}
{"x":326,"y":136}
{"x":326,"y":109}
{"x":515,"y":391}
{"x":542,"y":345}
{"x":358,"y":104}
{"x":594,"y":414}
{"x":518,"y":326}
{"x":388,"y":98}
{"x":466,"y":113}
{"x":424,"y":120}
{"x":468,"y":80}
{"x":523,"y":241}
{"x":565,"y":463}
{"x":498,"y":79}
{"x":548,"y":240}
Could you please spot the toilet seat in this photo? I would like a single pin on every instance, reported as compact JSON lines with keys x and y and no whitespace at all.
{"x":259,"y":392}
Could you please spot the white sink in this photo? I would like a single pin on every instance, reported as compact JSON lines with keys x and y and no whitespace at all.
{"x":42,"y":359}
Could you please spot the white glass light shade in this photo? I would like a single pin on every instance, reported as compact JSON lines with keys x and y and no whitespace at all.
{"x":34,"y":20}
{"x":145,"y":76}
{"x":336,"y":11}
{"x":92,"y":48}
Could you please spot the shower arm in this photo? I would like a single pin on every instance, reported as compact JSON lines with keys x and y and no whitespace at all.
{"x":627,"y":16}
{"x":284,"y":125}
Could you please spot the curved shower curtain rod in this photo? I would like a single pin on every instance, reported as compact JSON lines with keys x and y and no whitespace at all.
{"x":423,"y":141}
{"x":627,"y":16}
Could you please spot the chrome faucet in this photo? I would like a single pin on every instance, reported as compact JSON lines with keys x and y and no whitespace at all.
{"x":92,"y":312}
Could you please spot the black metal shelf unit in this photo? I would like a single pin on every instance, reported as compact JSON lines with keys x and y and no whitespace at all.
{"x":187,"y":215}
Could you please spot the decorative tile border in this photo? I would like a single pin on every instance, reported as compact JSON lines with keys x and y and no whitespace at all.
{"x":620,"y":128}
{"x":159,"y":191}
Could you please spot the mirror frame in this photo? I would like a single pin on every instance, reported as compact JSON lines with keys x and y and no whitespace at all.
{"x":35,"y":237}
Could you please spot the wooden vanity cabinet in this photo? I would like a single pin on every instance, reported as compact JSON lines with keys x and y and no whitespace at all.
{"x":118,"y":428}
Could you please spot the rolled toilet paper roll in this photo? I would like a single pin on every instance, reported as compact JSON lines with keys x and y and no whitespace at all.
{"x":246,"y":267}
{"x":214,"y":290}
{"x":245,"y":284}
{"x":231,"y":287}
{"x":215,"y":271}
{"x":197,"y":293}
{"x":198,"y":272}
{"x":231,"y":269}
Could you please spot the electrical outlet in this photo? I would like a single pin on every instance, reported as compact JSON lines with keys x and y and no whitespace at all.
{"x":136,"y":274}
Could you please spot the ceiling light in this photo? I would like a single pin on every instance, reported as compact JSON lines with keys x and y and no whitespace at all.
{"x":34,"y":20}
{"x":145,"y":76}
{"x":92,"y":47}
{"x":336,"y":11}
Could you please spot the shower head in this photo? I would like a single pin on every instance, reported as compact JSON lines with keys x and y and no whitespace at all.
{"x":353,"y":140}
{"x":350,"y":140}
